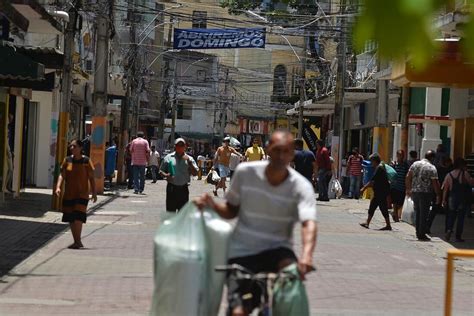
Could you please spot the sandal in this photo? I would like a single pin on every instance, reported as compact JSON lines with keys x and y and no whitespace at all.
{"x":74,"y":246}
{"x":386,"y":228}
{"x":364,"y":225}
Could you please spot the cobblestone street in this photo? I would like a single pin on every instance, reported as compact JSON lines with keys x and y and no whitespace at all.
{"x":360,"y":272}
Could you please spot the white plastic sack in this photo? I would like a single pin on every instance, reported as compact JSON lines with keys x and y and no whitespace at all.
{"x":408,"y":211}
{"x":335,"y":189}
{"x":187,"y":247}
{"x":213,"y":178}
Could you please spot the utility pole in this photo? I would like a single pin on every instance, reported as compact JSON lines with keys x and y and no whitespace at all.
{"x":66,"y":91}
{"x":339,"y":93}
{"x":173,"y":102}
{"x":125,"y":108}
{"x":224,"y":107}
{"x":405,"y":112}
{"x":302,"y":98}
{"x":99,"y":120}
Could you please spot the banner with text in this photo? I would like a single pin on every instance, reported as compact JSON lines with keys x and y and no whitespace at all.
{"x":219,"y":38}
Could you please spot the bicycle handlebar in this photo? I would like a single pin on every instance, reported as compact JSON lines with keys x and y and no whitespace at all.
{"x":244,"y":273}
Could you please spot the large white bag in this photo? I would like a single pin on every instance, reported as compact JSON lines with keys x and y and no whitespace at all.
{"x":335,"y":189}
{"x":187,"y":248}
{"x":408,"y":211}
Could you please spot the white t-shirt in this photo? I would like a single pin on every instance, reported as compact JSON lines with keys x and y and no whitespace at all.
{"x":267,"y":213}
{"x":234,"y":161}
{"x":154,"y":158}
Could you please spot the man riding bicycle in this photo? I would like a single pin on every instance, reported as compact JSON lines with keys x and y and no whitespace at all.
{"x":267,"y":197}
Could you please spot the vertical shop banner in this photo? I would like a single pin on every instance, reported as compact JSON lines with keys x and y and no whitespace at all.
{"x":255,"y":127}
{"x":219,"y":38}
{"x":98,"y":151}
{"x":243,"y":126}
{"x":310,"y":138}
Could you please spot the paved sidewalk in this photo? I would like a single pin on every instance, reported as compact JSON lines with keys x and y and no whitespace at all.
{"x":360,"y":272}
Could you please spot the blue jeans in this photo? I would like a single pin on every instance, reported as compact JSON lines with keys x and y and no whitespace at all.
{"x":354,"y":188}
{"x":139,"y":178}
{"x":323,"y":183}
{"x":460,"y":214}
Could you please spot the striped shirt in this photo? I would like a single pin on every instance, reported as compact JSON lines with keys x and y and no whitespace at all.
{"x":354,"y":165}
{"x":402,"y":170}
{"x":267,"y":213}
{"x":140,"y":152}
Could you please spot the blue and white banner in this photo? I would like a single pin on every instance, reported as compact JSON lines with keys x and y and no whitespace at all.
{"x":219,"y":38}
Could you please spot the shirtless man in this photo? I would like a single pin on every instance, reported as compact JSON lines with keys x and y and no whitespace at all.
{"x":221,"y":162}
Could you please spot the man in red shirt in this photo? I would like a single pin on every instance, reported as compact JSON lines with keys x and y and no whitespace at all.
{"x":140,"y":150}
{"x":324,"y":170}
{"x":354,"y":169}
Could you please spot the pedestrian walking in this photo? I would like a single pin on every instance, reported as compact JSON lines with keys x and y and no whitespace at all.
{"x":221,"y":163}
{"x":412,"y":157}
{"x":128,"y":163}
{"x":255,"y":153}
{"x":305,"y":161}
{"x":77,"y":174}
{"x":154,"y":163}
{"x":262,"y":240}
{"x":354,"y":166}
{"x":323,"y":164}
{"x":177,"y":169}
{"x":398,"y":188}
{"x":421,"y":183}
{"x":443,"y":168}
{"x":379,"y":183}
{"x":457,"y":197}
{"x":140,"y":150}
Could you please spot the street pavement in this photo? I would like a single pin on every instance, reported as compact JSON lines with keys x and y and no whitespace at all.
{"x":360,"y":271}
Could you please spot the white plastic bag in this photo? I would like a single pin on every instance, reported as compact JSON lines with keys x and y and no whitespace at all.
{"x":213,"y":178}
{"x":335,"y":189}
{"x":408,"y":211}
{"x":187,"y":247}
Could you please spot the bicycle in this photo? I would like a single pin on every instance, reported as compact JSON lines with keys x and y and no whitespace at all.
{"x":257,"y":284}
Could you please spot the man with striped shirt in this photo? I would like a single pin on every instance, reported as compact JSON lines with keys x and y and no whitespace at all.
{"x":267,"y":197}
{"x":140,"y":150}
{"x":398,"y":186}
{"x":354,"y":168}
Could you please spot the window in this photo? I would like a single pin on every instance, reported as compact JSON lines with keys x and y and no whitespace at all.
{"x":184,"y":110}
{"x":199,"y":19}
{"x":89,"y":66}
{"x":201,"y":75}
{"x":279,"y":80}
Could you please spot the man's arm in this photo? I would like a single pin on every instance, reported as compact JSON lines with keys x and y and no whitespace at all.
{"x":224,"y":209}
{"x":408,"y":183}
{"x":308,"y":234}
{"x":437,"y":189}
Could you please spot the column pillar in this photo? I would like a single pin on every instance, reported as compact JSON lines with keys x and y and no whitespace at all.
{"x":431,"y":138}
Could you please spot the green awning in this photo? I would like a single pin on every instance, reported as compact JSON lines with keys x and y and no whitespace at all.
{"x":15,"y":66}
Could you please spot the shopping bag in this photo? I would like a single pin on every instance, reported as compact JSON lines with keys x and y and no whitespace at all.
{"x":289,"y":295}
{"x":408,"y":211}
{"x":335,"y":189}
{"x":212,"y":177}
{"x":391,"y":173}
{"x":187,"y":246}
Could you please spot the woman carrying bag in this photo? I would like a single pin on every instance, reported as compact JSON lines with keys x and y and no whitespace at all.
{"x":456,"y":196}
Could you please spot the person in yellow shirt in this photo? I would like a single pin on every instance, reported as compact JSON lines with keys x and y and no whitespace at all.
{"x":254,"y":153}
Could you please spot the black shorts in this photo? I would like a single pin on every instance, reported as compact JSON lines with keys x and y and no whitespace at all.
{"x":176,"y":197}
{"x":70,"y":217}
{"x":398,"y":197}
{"x":267,"y":261}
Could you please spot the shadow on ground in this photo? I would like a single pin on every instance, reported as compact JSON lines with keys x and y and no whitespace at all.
{"x":438,"y":230}
{"x":29,"y":204}
{"x":22,"y":238}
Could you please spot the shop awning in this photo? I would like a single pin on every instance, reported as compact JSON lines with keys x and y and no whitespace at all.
{"x":16,"y":66}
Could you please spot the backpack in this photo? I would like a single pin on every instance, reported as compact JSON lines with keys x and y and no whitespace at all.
{"x":391,"y":173}
{"x":460,"y":192}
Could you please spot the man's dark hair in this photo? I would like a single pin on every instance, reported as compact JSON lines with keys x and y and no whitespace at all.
{"x":375,"y":157}
{"x":413,"y":154}
{"x":320,"y":142}
{"x":78,"y":142}
{"x":430,"y":155}
{"x":298,"y":143}
{"x":459,"y":163}
{"x":355,"y":150}
{"x":401,"y":152}
{"x":140,"y":134}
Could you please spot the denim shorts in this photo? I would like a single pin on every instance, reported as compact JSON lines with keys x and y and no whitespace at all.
{"x":224,"y":171}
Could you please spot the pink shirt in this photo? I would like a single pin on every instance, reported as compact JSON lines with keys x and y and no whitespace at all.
{"x":140,"y":152}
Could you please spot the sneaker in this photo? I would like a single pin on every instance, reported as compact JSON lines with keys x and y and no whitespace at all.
{"x":424,"y":238}
{"x":135,"y":192}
